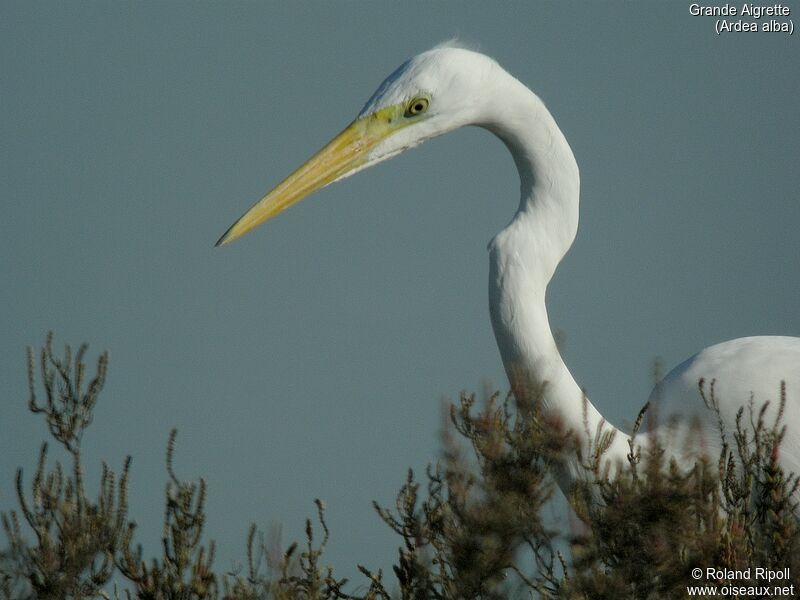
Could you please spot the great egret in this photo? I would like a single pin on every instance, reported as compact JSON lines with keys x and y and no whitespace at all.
{"x":446,"y":88}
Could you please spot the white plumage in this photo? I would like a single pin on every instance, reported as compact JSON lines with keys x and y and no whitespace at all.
{"x":446,"y":88}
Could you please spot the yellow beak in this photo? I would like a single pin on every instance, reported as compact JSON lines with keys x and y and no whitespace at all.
{"x":345,"y":153}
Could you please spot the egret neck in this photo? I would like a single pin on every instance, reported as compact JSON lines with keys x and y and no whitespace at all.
{"x":523,"y":258}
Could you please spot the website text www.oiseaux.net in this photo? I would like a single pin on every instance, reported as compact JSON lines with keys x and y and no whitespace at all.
{"x":740,"y":583}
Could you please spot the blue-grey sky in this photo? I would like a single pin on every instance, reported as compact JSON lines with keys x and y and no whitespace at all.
{"x":310,"y":359}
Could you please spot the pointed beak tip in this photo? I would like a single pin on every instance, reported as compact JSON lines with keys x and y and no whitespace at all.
{"x":224,"y":239}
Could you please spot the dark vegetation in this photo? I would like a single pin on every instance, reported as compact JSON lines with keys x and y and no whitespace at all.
{"x":471,"y":527}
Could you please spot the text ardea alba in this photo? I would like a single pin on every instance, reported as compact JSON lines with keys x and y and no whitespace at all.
{"x":446,"y":88}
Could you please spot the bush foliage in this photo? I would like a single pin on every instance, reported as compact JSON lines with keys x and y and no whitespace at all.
{"x":473,"y":526}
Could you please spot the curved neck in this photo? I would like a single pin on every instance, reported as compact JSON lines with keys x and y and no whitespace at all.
{"x":524,"y":257}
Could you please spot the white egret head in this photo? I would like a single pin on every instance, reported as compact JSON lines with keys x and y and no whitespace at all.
{"x":433,"y":93}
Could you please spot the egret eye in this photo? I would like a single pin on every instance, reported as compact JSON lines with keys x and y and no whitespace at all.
{"x":417,"y":106}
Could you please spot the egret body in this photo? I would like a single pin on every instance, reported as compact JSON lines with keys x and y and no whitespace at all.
{"x":446,"y":88}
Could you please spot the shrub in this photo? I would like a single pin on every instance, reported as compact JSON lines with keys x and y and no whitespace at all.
{"x":472,"y":527}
